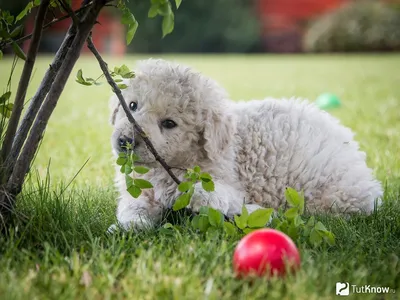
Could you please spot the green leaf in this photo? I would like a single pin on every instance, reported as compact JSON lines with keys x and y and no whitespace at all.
{"x":215,"y":217}
{"x":10,"y":19}
{"x":4,"y":98}
{"x":292,"y":196}
{"x":80,"y":79}
{"x":298,"y":221}
{"x":230,"y":229}
{"x":329,"y":237}
{"x":311,"y":221}
{"x":128,"y":181}
{"x":291,"y":213}
{"x":178,"y":3}
{"x":205,"y":177}
{"x":241,"y":221}
{"x":134,"y":191}
{"x":168,"y":226}
{"x":128,"y":169}
{"x":245,"y":213}
{"x":1,"y":55}
{"x":208,"y":186}
{"x":194,"y":177}
{"x":195,"y":222}
{"x":295,"y":199}
{"x":122,"y":169}
{"x":196,"y":169}
{"x":283,"y":226}
{"x":141,"y":170}
{"x":204,"y":210}
{"x":129,"y":19}
{"x":168,"y":24}
{"x":79,"y":76}
{"x":4,"y":34}
{"x":153,"y":11}
{"x":7,"y":17}
{"x":25,"y":11}
{"x":275,"y":222}
{"x":142,"y":183}
{"x":204,"y":223}
{"x":213,"y":231}
{"x":122,"y":86}
{"x":18,"y":51}
{"x":131,"y":32}
{"x":259,"y":217}
{"x":53,"y":4}
{"x":315,"y":237}
{"x":17,"y":31}
{"x":6,"y":109}
{"x":164,"y":8}
{"x":320,"y":227}
{"x":293,"y":232}
{"x":121,"y":161}
{"x":184,"y":186}
{"x":181,"y":202}
{"x":124,"y":72}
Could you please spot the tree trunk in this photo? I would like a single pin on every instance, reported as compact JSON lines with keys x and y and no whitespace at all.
{"x":13,"y":187}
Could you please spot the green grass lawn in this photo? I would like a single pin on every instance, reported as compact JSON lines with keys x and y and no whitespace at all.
{"x":58,"y":249}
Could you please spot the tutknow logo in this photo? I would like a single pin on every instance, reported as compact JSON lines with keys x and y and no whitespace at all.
{"x":343,"y":289}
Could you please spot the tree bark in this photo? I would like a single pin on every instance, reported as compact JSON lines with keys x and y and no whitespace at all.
{"x":37,"y":101}
{"x":23,"y":83}
{"x":24,"y":160}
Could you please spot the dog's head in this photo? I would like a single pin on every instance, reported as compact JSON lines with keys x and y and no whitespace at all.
{"x":184,"y":114}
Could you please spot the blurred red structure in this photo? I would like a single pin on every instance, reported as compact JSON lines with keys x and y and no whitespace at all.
{"x":108,"y":35}
{"x":283,"y":21}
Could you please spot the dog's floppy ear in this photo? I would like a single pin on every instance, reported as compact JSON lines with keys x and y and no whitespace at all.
{"x":114,"y":107}
{"x":219,"y":130}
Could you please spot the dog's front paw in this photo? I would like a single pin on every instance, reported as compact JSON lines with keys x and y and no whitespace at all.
{"x":112,"y":229}
{"x":136,"y":223}
{"x":201,"y":198}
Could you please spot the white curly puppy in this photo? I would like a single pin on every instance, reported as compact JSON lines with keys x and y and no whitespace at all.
{"x":254,"y":150}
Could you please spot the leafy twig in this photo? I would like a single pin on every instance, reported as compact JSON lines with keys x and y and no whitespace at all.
{"x":117,"y":91}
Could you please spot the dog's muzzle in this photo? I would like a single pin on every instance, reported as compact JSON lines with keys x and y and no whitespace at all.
{"x":124,"y":142}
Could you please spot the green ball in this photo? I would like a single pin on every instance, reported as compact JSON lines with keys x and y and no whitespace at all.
{"x":327,"y":101}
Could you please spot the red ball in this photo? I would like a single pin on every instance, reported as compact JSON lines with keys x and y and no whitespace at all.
{"x":265,"y":252}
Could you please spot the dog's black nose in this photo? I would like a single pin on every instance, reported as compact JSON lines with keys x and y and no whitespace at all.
{"x":124,"y":142}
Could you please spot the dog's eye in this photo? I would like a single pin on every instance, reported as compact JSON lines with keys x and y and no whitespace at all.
{"x":133,"y":106}
{"x":168,"y":124}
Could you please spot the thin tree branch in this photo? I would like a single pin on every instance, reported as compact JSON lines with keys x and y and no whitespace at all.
{"x":37,"y":100}
{"x":117,"y":91}
{"x":24,"y":160}
{"x":24,"y":82}
{"x":70,"y":12}
{"x":28,"y":36}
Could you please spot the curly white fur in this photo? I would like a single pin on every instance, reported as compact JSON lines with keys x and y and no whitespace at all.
{"x":254,"y":150}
